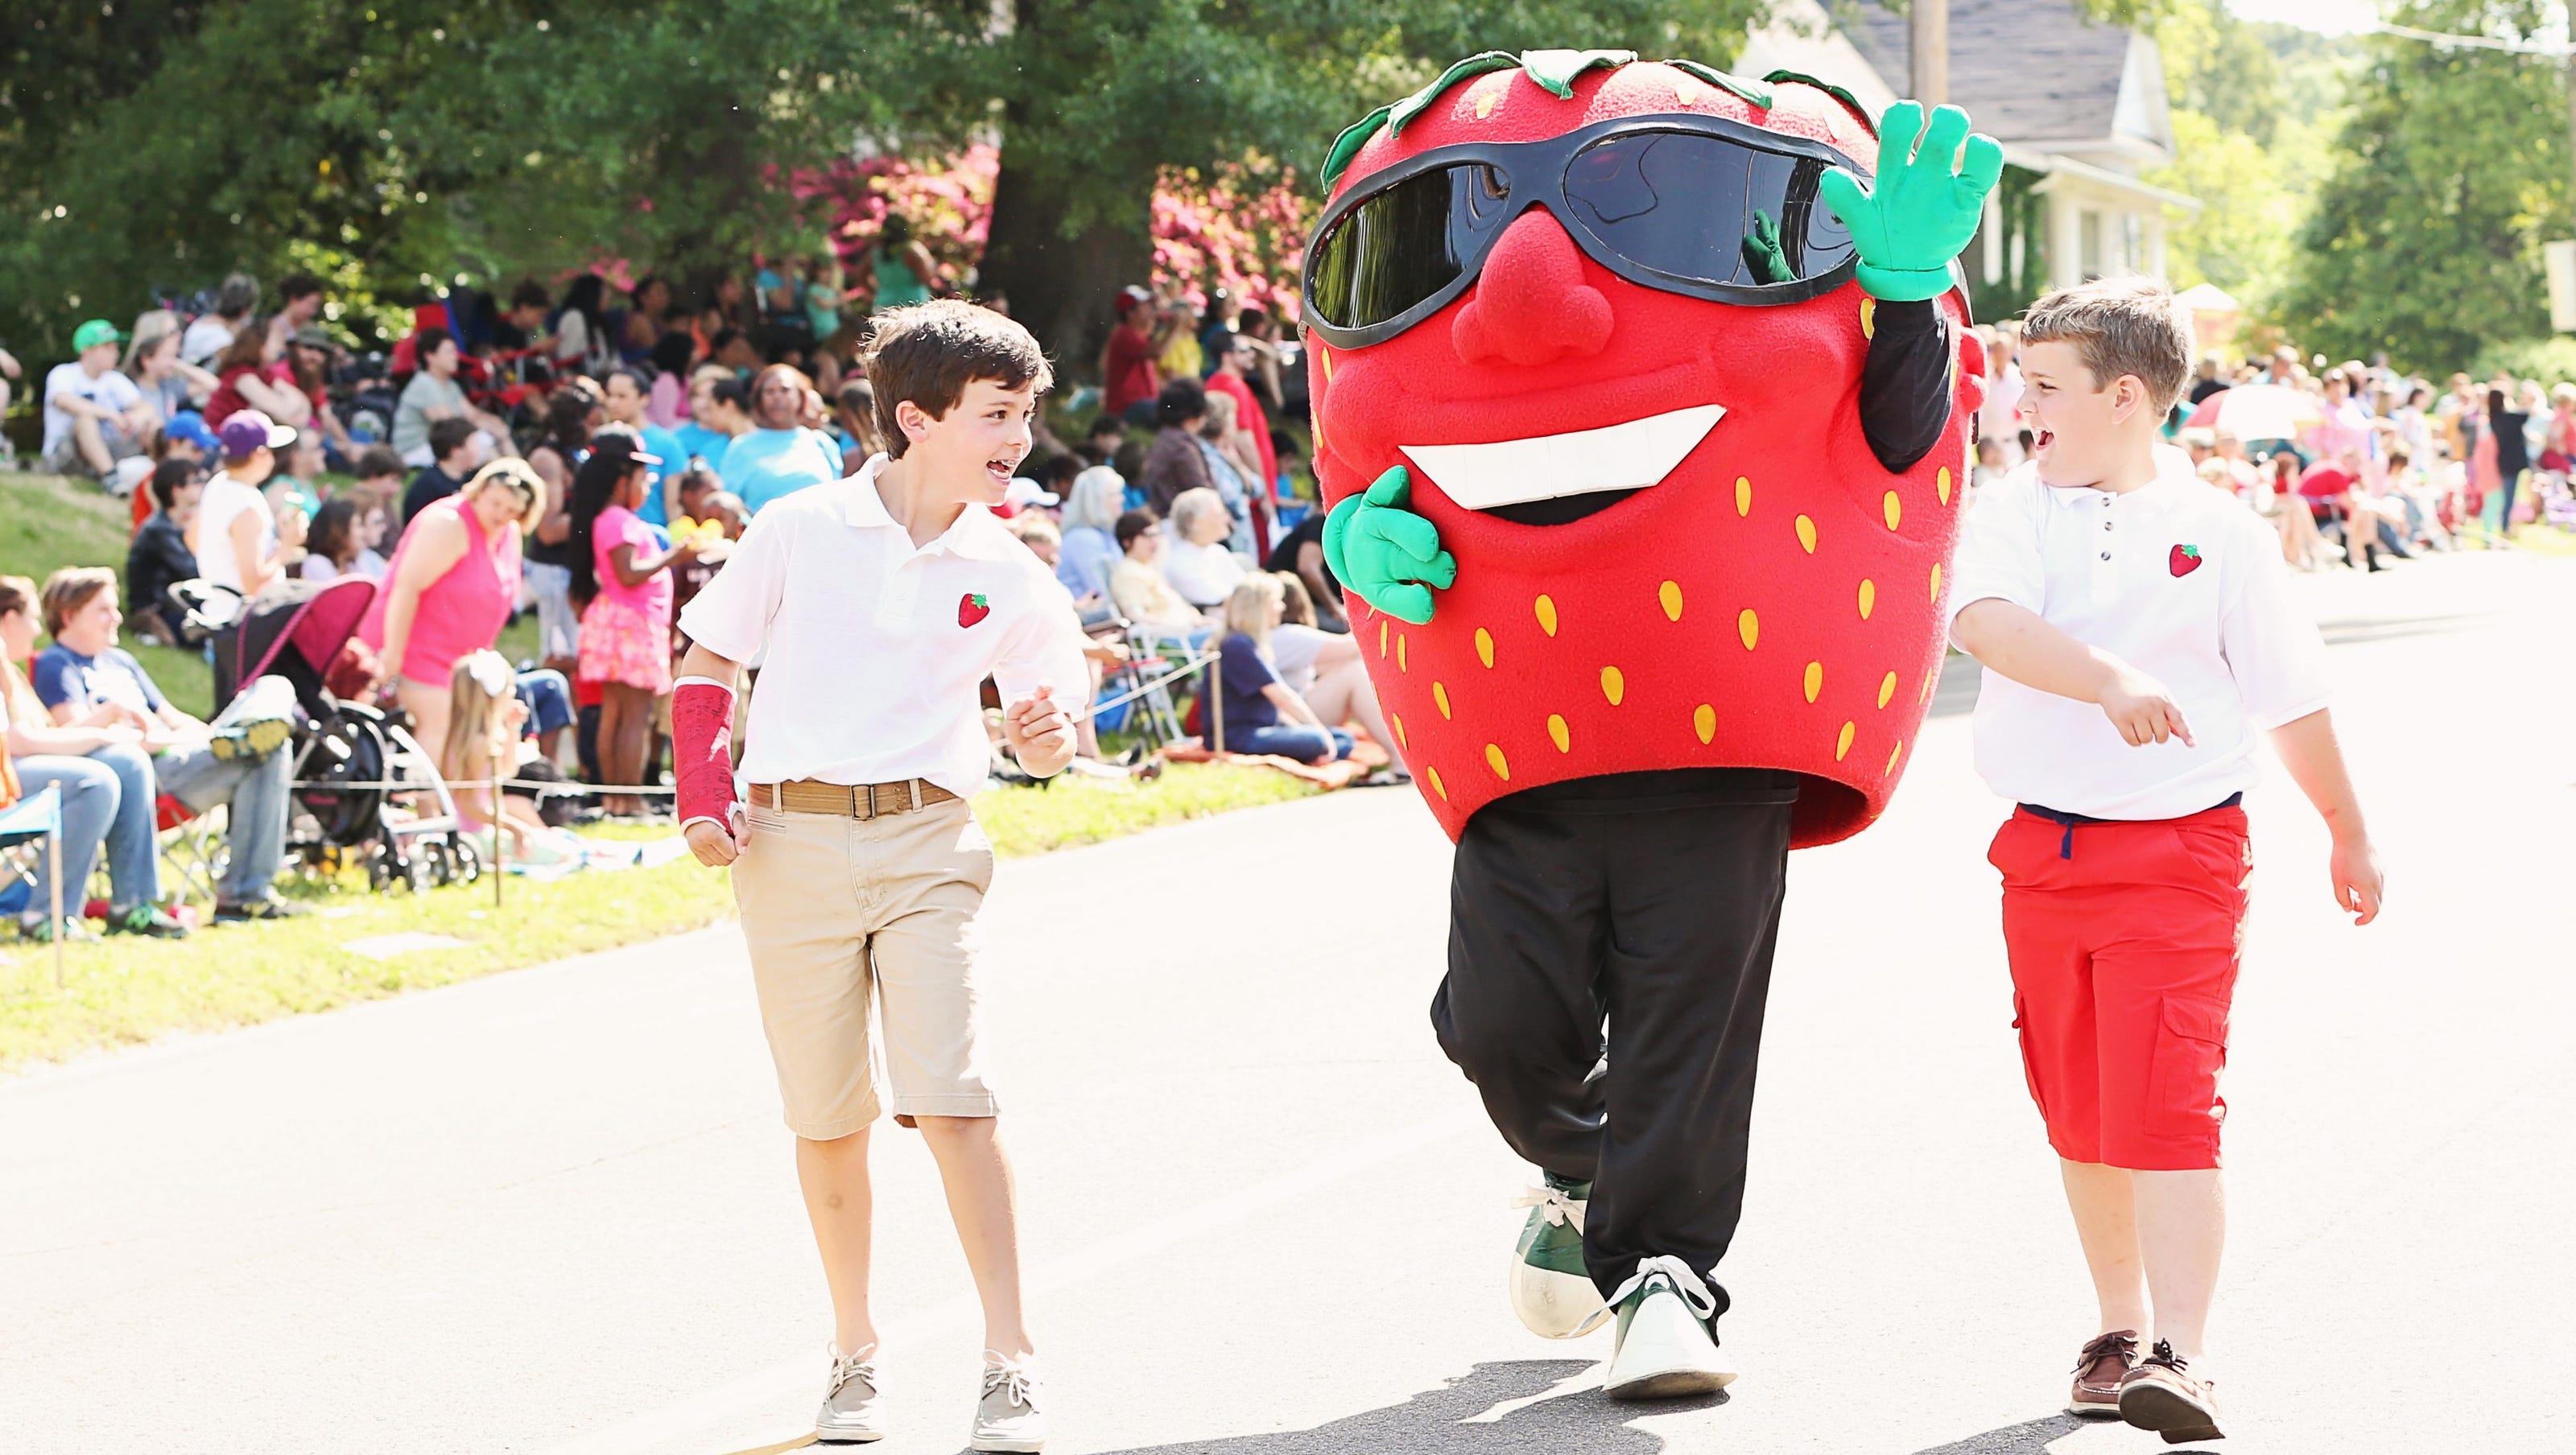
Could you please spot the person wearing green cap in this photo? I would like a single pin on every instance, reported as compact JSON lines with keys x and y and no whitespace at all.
{"x":94,"y":416}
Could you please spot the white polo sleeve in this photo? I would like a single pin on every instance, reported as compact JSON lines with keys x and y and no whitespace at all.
{"x":1999,"y":554}
{"x":730,"y":616}
{"x":1045,"y":647}
{"x":2271,"y":646}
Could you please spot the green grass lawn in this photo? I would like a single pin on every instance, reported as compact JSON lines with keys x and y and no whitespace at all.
{"x":47,"y":523}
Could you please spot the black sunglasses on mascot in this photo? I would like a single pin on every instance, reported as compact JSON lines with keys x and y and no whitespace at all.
{"x":1696,"y":205}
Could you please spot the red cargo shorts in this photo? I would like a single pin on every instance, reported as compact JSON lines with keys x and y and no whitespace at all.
{"x":2124,"y":940}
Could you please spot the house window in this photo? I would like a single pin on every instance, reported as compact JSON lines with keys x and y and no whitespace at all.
{"x":2088,"y":247}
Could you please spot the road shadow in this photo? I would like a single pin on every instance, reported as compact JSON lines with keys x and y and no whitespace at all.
{"x":1436,"y":1421}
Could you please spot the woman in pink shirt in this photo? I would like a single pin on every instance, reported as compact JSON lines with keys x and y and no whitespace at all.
{"x":621,"y":584}
{"x":449,"y":589}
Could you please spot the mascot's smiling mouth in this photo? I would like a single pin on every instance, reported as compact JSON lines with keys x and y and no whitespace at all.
{"x":1552,"y":479}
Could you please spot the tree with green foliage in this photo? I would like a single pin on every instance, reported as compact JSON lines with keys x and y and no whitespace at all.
{"x":2450,"y":173}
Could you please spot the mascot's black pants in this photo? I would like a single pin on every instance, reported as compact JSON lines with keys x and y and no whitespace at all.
{"x":1652,"y":901}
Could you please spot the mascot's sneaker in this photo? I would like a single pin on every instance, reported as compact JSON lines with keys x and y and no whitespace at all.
{"x":2163,"y":1395}
{"x":853,"y":1412}
{"x":1665,"y":1349}
{"x":1008,"y":1416}
{"x":2099,"y":1371}
{"x":1550,"y":1289}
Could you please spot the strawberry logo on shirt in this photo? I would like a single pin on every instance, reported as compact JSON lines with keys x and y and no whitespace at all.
{"x":972,"y":608}
{"x":2184,"y":560}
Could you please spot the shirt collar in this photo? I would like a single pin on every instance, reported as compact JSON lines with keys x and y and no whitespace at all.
{"x":975,"y":533}
{"x":2173,"y":471}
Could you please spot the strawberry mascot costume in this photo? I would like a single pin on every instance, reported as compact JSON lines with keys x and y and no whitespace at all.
{"x":1644,"y":422}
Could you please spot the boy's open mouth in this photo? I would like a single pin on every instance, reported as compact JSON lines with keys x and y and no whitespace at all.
{"x":1000,"y":468}
{"x":2039,"y":441}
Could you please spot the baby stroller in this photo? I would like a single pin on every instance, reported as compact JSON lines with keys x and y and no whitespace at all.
{"x":351,"y":760}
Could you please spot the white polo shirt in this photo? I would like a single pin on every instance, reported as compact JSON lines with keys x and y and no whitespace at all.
{"x":2178,"y":579}
{"x":872,"y":652}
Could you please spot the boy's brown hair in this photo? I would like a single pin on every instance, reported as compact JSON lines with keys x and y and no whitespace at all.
{"x":2119,"y":326}
{"x":929,"y":352}
{"x":70,"y":589}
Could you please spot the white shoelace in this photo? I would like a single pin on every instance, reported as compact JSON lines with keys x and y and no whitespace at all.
{"x":1693,"y":1290}
{"x":1553,"y":1205}
{"x":845,"y":1367}
{"x":1015,"y":1379}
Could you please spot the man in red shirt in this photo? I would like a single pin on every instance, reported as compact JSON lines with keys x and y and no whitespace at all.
{"x":1127,"y":372}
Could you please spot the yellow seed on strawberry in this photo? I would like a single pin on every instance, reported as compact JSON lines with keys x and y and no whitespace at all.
{"x":1440,"y":699}
{"x":1941,"y":483}
{"x":1895,"y":753}
{"x":1868,"y":597}
{"x":1893,"y":508}
{"x":1436,"y":785}
{"x":1381,"y":636}
{"x":1868,"y":326}
{"x":1815,"y":679}
{"x":1546,"y":615}
{"x":1842,"y":745}
{"x":1807,"y":534}
{"x":1749,"y":627}
{"x":1928,"y":679}
{"x":1704,"y":721}
{"x":1494,"y":760}
{"x":1670,"y":594}
{"x":1558,"y":734}
{"x":1398,"y":724}
{"x":1399,"y":652}
{"x":1613,"y":685}
{"x":1484,"y":646}
{"x":1886,"y":689}
{"x":1936,"y":581}
{"x":1743,"y":496}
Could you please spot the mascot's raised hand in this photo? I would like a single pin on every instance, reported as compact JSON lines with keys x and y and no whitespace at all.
{"x":1385,"y":552}
{"x":1921,"y":211}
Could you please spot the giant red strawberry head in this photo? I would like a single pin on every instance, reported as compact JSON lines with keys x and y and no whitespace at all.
{"x":1595,"y":309}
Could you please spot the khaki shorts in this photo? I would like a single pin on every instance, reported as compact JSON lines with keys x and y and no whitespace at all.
{"x":841,"y":912}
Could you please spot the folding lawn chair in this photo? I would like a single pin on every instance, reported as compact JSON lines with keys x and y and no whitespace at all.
{"x":193,"y":852}
{"x":23,"y":825}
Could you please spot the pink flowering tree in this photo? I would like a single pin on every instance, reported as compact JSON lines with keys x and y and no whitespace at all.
{"x":948,"y":200}
{"x":1239,"y":226}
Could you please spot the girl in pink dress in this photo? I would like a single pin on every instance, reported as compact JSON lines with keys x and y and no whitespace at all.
{"x":621,"y":584}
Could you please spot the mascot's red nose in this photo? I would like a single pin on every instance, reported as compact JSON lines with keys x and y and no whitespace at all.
{"x":1531,"y":305}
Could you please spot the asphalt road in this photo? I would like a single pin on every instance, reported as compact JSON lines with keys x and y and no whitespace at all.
{"x":553,"y":1211}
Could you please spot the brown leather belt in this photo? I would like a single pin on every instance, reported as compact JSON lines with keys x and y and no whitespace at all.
{"x":856,"y":800}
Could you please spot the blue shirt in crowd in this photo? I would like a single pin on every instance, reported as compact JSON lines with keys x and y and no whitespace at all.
{"x":696,"y":441}
{"x":660,"y":441}
{"x":767,"y":464}
{"x":63,"y":677}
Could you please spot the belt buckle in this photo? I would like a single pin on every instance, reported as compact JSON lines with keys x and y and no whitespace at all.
{"x":863,"y":801}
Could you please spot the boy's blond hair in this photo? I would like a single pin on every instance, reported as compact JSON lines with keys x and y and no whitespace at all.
{"x":2119,"y":326}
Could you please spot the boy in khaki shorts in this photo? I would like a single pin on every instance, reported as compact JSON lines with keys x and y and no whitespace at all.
{"x":876,"y":606}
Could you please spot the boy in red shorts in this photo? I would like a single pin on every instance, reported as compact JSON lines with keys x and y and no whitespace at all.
{"x":875,"y":607}
{"x":2137,"y":634}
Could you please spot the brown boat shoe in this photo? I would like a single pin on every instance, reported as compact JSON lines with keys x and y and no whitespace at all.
{"x":2163,"y":1395}
{"x":2098,"y":1372}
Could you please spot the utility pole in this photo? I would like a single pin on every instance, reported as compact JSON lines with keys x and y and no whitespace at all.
{"x":1928,"y":23}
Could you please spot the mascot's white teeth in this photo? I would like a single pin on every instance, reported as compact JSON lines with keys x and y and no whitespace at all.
{"x":1627,"y":456}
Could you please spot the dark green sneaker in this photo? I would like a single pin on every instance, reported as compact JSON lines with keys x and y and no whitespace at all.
{"x":1666,"y":1348}
{"x":145,"y":919}
{"x":1550,"y":1288}
{"x":272,"y":907}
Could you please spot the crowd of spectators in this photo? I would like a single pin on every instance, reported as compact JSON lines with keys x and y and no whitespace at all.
{"x":2355,"y":463}
{"x":587,"y":454}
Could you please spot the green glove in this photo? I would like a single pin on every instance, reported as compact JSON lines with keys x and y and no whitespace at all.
{"x":1919,"y":214}
{"x":1385,"y":553}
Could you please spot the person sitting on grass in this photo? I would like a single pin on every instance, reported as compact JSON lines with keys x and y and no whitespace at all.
{"x":457,"y":450}
{"x":1263,"y":715}
{"x":94,"y":415}
{"x":621,"y":582}
{"x":107,"y":793}
{"x":486,"y":727}
{"x":160,"y":556}
{"x":86,"y":680}
{"x":1324,"y":668}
